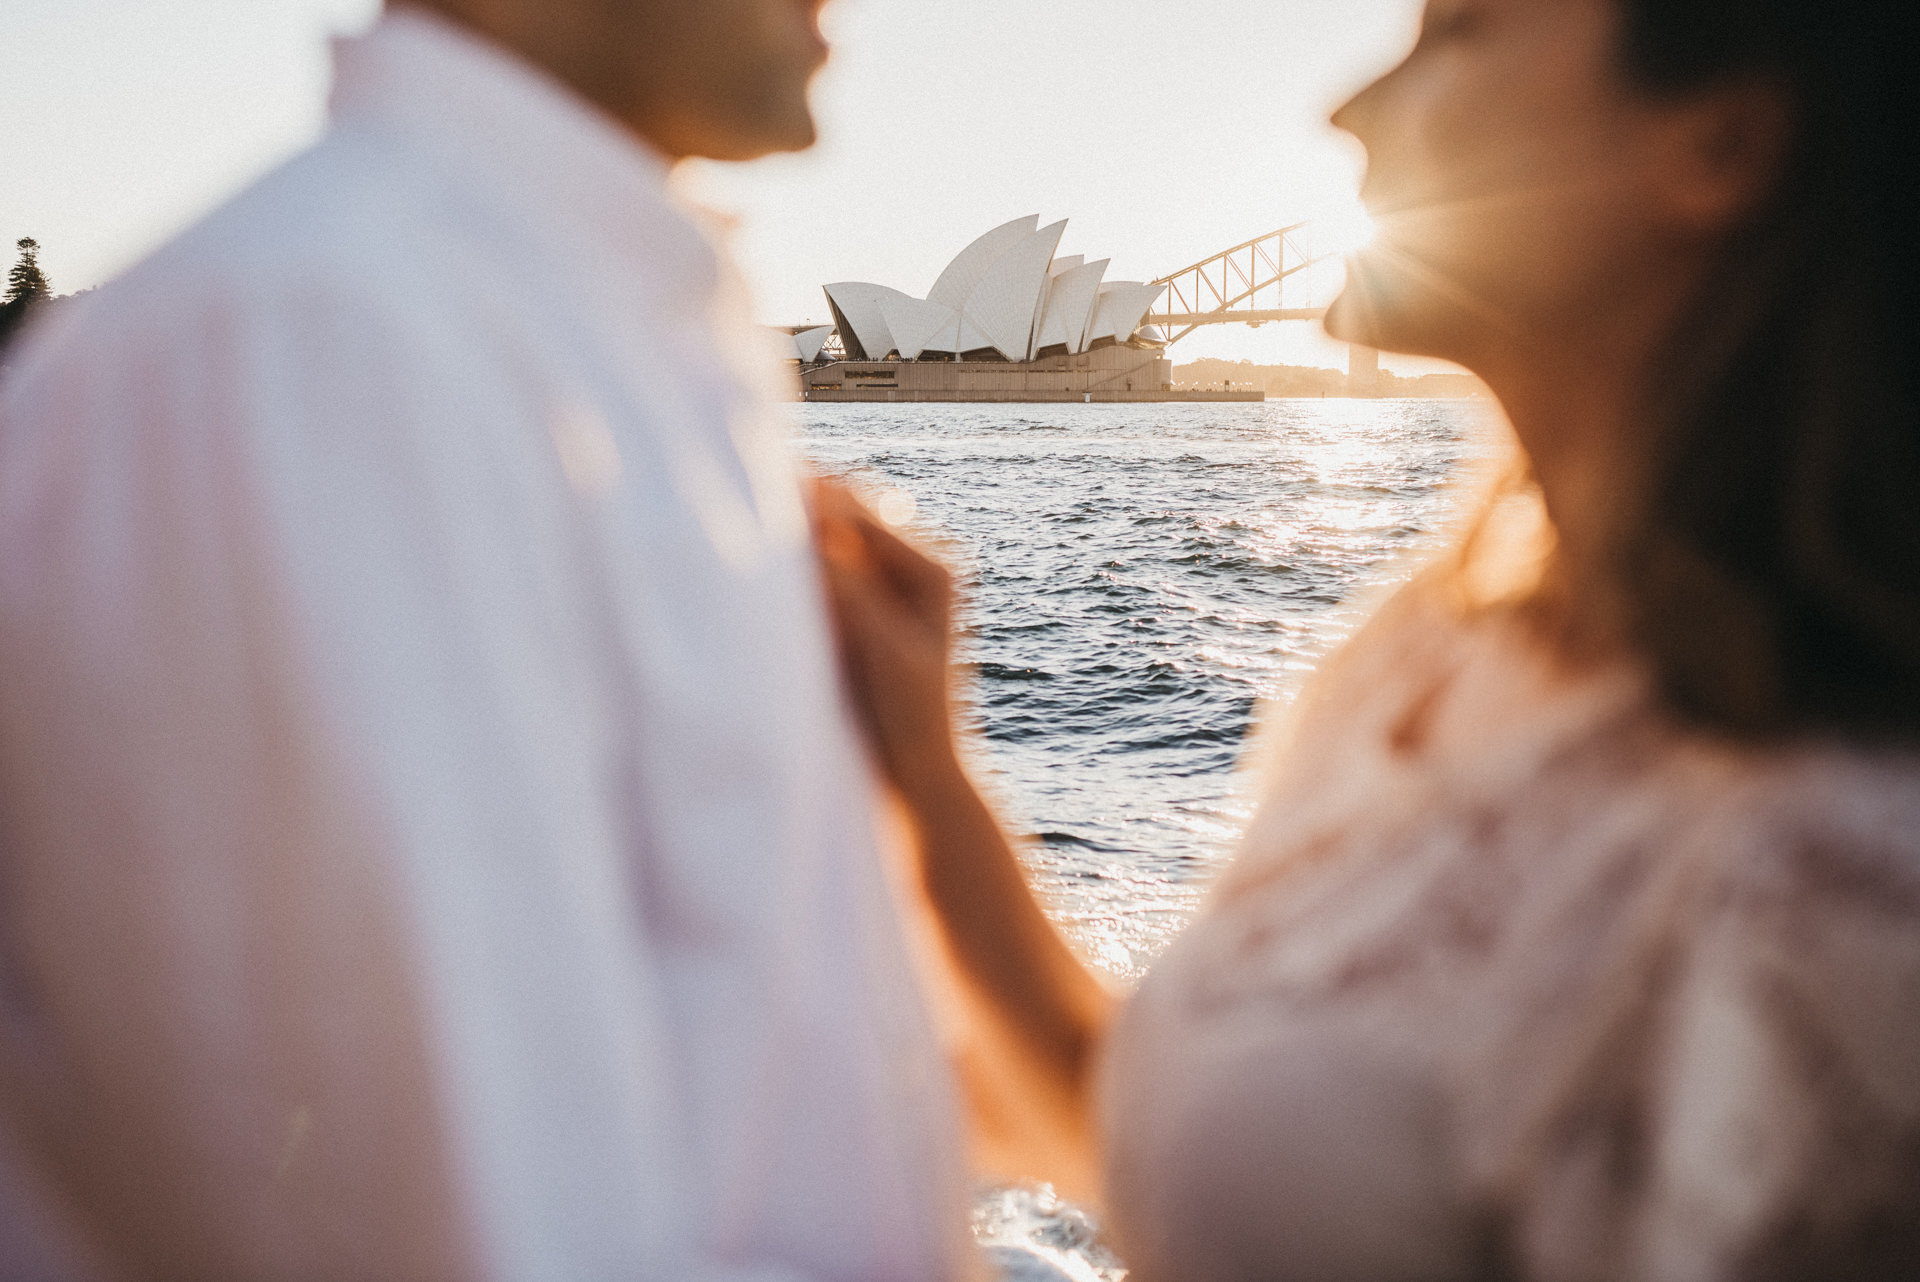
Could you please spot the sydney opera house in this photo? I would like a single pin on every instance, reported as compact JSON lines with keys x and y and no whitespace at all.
{"x":1008,"y":320}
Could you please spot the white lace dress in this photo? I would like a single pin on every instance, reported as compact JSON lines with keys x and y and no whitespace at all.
{"x":1515,"y":979}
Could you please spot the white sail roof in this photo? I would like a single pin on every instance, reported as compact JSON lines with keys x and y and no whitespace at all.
{"x":964,"y":274}
{"x":1006,"y":292}
{"x":1006,"y":302}
{"x":918,"y":326}
{"x":856,"y":304}
{"x":972,"y":338}
{"x":1123,"y":305}
{"x":808,"y":342}
{"x":1071,"y":296}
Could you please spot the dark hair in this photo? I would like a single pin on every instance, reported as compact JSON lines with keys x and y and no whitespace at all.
{"x":1768,"y":562}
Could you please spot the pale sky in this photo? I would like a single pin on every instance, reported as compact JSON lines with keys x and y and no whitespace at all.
{"x":1164,"y":132}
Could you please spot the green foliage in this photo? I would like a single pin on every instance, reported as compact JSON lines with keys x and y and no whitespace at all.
{"x":26,"y":283}
{"x":27,"y":286}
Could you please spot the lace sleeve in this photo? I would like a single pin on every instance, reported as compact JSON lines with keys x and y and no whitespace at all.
{"x":1763,"y":1119}
{"x":1786,"y":1122}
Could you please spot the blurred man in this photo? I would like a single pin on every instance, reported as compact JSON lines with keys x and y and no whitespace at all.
{"x":431,"y":844}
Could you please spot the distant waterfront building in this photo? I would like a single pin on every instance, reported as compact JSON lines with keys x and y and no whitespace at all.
{"x":1005,"y":297}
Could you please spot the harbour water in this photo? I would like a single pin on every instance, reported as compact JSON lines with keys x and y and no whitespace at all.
{"x":1140,"y":583}
{"x":1140,"y":580}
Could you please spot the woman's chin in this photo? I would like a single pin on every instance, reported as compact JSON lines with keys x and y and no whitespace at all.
{"x":1339,"y":320}
{"x":1353,"y":317}
{"x":1371,"y":312}
{"x":1361,"y":313}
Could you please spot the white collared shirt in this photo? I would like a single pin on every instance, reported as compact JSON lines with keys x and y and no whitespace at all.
{"x":432,"y":843}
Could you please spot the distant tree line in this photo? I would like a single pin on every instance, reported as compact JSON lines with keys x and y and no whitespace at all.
{"x":1284,"y":381}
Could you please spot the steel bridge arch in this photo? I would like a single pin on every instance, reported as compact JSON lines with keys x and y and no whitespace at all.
{"x":1226,"y":288}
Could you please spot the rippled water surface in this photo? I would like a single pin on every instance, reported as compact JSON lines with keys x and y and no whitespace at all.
{"x":1140,"y":578}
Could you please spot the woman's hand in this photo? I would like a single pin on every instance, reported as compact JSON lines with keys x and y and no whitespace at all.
{"x":892,"y":607}
{"x":1037,"y":1013}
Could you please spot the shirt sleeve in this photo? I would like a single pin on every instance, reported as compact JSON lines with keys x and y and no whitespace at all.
{"x":319,"y":956}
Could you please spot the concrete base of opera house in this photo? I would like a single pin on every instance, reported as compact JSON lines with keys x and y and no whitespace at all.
{"x":1116,"y":373}
{"x":890,"y":395}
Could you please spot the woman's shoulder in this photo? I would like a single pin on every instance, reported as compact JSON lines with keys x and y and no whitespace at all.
{"x":1428,"y":675}
{"x":1836,"y":795}
{"x":1809,"y":838}
{"x":1427,"y":705}
{"x":1446,"y":706}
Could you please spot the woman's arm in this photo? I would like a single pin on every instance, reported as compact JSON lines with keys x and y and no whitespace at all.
{"x":1038,"y":1013}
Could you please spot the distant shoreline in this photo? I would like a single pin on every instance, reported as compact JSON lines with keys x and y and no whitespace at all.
{"x":1283,"y":382}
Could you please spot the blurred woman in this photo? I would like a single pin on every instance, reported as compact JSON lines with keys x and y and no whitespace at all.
{"x":1578,"y":935}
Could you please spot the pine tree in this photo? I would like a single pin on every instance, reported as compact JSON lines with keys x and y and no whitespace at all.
{"x":26,"y":283}
{"x":27,"y":287}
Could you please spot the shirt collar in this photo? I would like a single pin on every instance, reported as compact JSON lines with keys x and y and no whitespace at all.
{"x":480,"y":106}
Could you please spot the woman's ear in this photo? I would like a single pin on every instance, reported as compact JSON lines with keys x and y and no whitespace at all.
{"x":1729,"y":147}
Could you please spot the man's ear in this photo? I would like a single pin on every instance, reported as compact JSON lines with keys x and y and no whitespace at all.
{"x":1730,"y":145}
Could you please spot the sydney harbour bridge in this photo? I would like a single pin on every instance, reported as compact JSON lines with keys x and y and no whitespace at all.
{"x":1245,"y":285}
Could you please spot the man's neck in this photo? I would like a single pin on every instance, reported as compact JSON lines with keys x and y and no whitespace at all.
{"x":558,"y":41}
